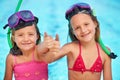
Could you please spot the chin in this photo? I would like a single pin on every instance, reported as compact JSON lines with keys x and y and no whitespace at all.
{"x":27,"y":47}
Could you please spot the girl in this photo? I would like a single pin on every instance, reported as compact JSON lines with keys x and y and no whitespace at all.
{"x":26,"y":60}
{"x":86,"y":59}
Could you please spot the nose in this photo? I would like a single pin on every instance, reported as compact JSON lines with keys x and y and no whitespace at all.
{"x":26,"y":38}
{"x":83,"y":29}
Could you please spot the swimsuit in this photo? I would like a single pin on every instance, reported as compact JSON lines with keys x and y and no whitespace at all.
{"x":80,"y":66}
{"x":33,"y":70}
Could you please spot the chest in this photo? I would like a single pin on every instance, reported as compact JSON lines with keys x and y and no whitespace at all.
{"x":33,"y":69}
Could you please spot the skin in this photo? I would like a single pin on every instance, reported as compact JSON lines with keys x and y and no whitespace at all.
{"x":25,"y":39}
{"x":84,"y":30}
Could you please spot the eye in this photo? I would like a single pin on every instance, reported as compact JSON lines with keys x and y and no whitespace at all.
{"x":77,"y":28}
{"x":20,"y":35}
{"x":86,"y":24}
{"x":31,"y":34}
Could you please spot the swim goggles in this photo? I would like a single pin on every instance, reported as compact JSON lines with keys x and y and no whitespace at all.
{"x":85,"y":8}
{"x":80,"y":8}
{"x":13,"y":20}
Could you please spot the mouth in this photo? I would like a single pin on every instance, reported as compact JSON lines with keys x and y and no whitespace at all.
{"x":25,"y":44}
{"x":85,"y":35}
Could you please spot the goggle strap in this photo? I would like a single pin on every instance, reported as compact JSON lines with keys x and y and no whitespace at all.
{"x":109,"y":53}
{"x":5,"y":26}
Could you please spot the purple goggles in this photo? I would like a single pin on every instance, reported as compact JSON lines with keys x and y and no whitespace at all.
{"x":25,"y":15}
{"x":76,"y":8}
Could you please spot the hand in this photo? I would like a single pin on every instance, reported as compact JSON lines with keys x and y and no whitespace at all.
{"x":54,"y":51}
{"x":55,"y":45}
{"x":49,"y":44}
{"x":48,"y":41}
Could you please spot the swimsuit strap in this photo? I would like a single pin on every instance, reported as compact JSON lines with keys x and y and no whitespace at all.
{"x":33,"y":54}
{"x":15,"y":60}
{"x":79,"y":48}
{"x":96,"y":45}
{"x":98,"y":49}
{"x":33,"y":58}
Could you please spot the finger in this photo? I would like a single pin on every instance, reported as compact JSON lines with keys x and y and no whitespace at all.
{"x":57,"y":37}
{"x":45,"y":34}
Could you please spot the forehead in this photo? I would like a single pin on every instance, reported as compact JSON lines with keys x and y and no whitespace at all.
{"x":26,"y":29}
{"x":80,"y":17}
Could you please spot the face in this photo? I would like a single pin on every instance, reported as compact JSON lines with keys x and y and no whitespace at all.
{"x":83,"y":27}
{"x":26,"y":37}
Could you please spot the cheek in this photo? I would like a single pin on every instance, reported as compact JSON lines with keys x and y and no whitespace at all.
{"x":17,"y":40}
{"x":94,"y":30}
{"x":94,"y":27}
{"x":35,"y":38}
{"x":76,"y":34}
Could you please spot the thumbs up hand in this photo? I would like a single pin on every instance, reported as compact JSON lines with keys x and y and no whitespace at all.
{"x":49,"y":44}
{"x":48,"y":41}
{"x":55,"y":45}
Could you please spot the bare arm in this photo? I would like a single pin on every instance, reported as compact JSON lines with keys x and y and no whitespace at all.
{"x":9,"y":68}
{"x":57,"y":53}
{"x":107,"y":72}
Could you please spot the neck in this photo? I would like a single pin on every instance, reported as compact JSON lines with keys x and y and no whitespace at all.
{"x":28,"y":52}
{"x":88,"y":44}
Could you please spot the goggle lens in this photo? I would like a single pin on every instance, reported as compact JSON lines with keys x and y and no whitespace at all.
{"x":24,"y":15}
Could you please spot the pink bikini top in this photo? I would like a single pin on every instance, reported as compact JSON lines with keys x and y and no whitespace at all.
{"x":80,"y":66}
{"x":33,"y":70}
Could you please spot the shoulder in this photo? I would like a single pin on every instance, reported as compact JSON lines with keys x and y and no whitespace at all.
{"x":71,"y":44}
{"x":9,"y":59}
{"x":105,"y":57}
{"x":9,"y":56}
{"x":70,"y":47}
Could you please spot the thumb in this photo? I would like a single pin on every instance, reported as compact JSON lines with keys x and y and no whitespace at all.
{"x":57,"y":37}
{"x":45,"y":34}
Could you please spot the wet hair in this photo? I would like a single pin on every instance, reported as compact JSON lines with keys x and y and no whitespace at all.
{"x":15,"y":49}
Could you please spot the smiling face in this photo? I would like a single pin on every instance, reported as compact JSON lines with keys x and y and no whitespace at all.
{"x":83,"y":27}
{"x":26,"y":37}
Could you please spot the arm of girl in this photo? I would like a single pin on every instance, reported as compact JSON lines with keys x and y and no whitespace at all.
{"x":9,"y":67}
{"x":107,"y":73}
